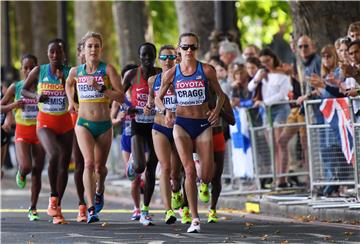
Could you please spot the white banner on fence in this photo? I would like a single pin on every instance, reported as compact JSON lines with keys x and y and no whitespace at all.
{"x":241,"y":146}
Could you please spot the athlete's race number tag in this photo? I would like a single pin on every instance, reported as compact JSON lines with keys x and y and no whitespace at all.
{"x":140,"y":117}
{"x":30,"y":109}
{"x":190,"y":92}
{"x":88,"y":92}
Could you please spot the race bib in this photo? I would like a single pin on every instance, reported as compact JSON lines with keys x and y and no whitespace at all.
{"x":190,"y":92}
{"x":30,"y":109}
{"x":140,"y":117}
{"x":88,"y":92}
{"x":127,"y":127}
{"x":169,"y":101}
{"x":56,"y":102}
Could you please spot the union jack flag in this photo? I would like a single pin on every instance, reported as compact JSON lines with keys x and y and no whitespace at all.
{"x":336,"y":112}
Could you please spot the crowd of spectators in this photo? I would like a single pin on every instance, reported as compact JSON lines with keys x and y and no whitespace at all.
{"x":258,"y":78}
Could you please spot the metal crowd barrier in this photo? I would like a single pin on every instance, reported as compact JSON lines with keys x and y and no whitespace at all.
{"x":263,"y":143}
{"x":268,"y":148}
{"x":329,"y":168}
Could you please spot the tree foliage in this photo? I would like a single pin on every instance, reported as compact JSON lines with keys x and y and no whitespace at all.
{"x":164,"y":20}
{"x":258,"y":21}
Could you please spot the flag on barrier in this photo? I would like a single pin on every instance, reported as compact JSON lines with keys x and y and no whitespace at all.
{"x":336,"y":112}
{"x":241,"y":145}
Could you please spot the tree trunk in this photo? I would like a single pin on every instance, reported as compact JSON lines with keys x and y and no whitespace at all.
{"x":130,"y":28}
{"x":197,"y":17}
{"x":324,"y":22}
{"x":23,"y":30}
{"x":226,"y":20}
{"x":44,"y":27}
{"x":96,"y":16}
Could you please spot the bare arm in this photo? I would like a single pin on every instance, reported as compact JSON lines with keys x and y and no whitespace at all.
{"x":9,"y":95}
{"x":166,"y":81}
{"x":150,"y":101}
{"x":213,"y":82}
{"x":227,"y":112}
{"x":128,"y":77}
{"x":115,"y":114}
{"x":29,"y":82}
{"x":116,"y":93}
{"x":70,"y":90}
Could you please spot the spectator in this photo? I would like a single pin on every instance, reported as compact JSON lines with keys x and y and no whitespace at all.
{"x":354,"y":31}
{"x":229,"y":53}
{"x":251,"y":51}
{"x":310,"y":60}
{"x":275,"y":89}
{"x":222,"y":77}
{"x":341,"y":46}
{"x":241,"y":96}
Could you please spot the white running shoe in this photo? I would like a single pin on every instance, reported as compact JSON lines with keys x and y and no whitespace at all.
{"x":145,"y":218}
{"x":195,"y":226}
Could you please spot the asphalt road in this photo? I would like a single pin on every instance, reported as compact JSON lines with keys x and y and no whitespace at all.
{"x":115,"y":226}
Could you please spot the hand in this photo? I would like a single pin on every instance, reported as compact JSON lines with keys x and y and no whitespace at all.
{"x":261,"y":74}
{"x":316,"y":82}
{"x":235,"y":102}
{"x":351,"y":93}
{"x":42,"y":98}
{"x":73,"y":107}
{"x":347,"y":69}
{"x":18,"y":104}
{"x":121,"y":116}
{"x":147,"y":109}
{"x":92,"y":82}
{"x":6,"y":127}
{"x":169,"y":119}
{"x":258,"y":103}
{"x":301,"y":99}
{"x":213,"y":116}
{"x":331,"y":80}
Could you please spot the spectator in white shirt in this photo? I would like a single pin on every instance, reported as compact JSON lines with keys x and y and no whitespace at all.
{"x":275,"y":88}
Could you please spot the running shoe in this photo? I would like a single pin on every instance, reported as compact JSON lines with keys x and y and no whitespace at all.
{"x":176,"y":200}
{"x":185,"y":215}
{"x":136,"y":214}
{"x":92,"y":215}
{"x":145,"y":218}
{"x":58,"y":219}
{"x":82,"y":214}
{"x":99,"y":202}
{"x":194,"y":227}
{"x":170,"y":217}
{"x":204,"y":193}
{"x":53,"y":205}
{"x":20,"y":180}
{"x":130,"y":172}
{"x":212,"y":217}
{"x":33,"y":215}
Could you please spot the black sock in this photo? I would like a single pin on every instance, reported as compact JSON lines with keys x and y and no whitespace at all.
{"x":54,"y":194}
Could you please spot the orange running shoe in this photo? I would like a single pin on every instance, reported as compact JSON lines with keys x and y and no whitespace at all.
{"x":59,"y":218}
{"x":52,"y":208}
{"x":82,"y":217}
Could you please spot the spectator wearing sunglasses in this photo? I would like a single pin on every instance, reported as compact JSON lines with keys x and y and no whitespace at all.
{"x":162,"y":133}
{"x":311,"y":64}
{"x":192,"y":80}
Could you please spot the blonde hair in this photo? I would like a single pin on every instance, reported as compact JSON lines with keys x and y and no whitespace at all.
{"x":92,"y":34}
{"x":330,"y":50}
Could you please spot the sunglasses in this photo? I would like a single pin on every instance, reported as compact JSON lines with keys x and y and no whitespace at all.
{"x":303,"y":46}
{"x":170,"y":57}
{"x":186,"y":47}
